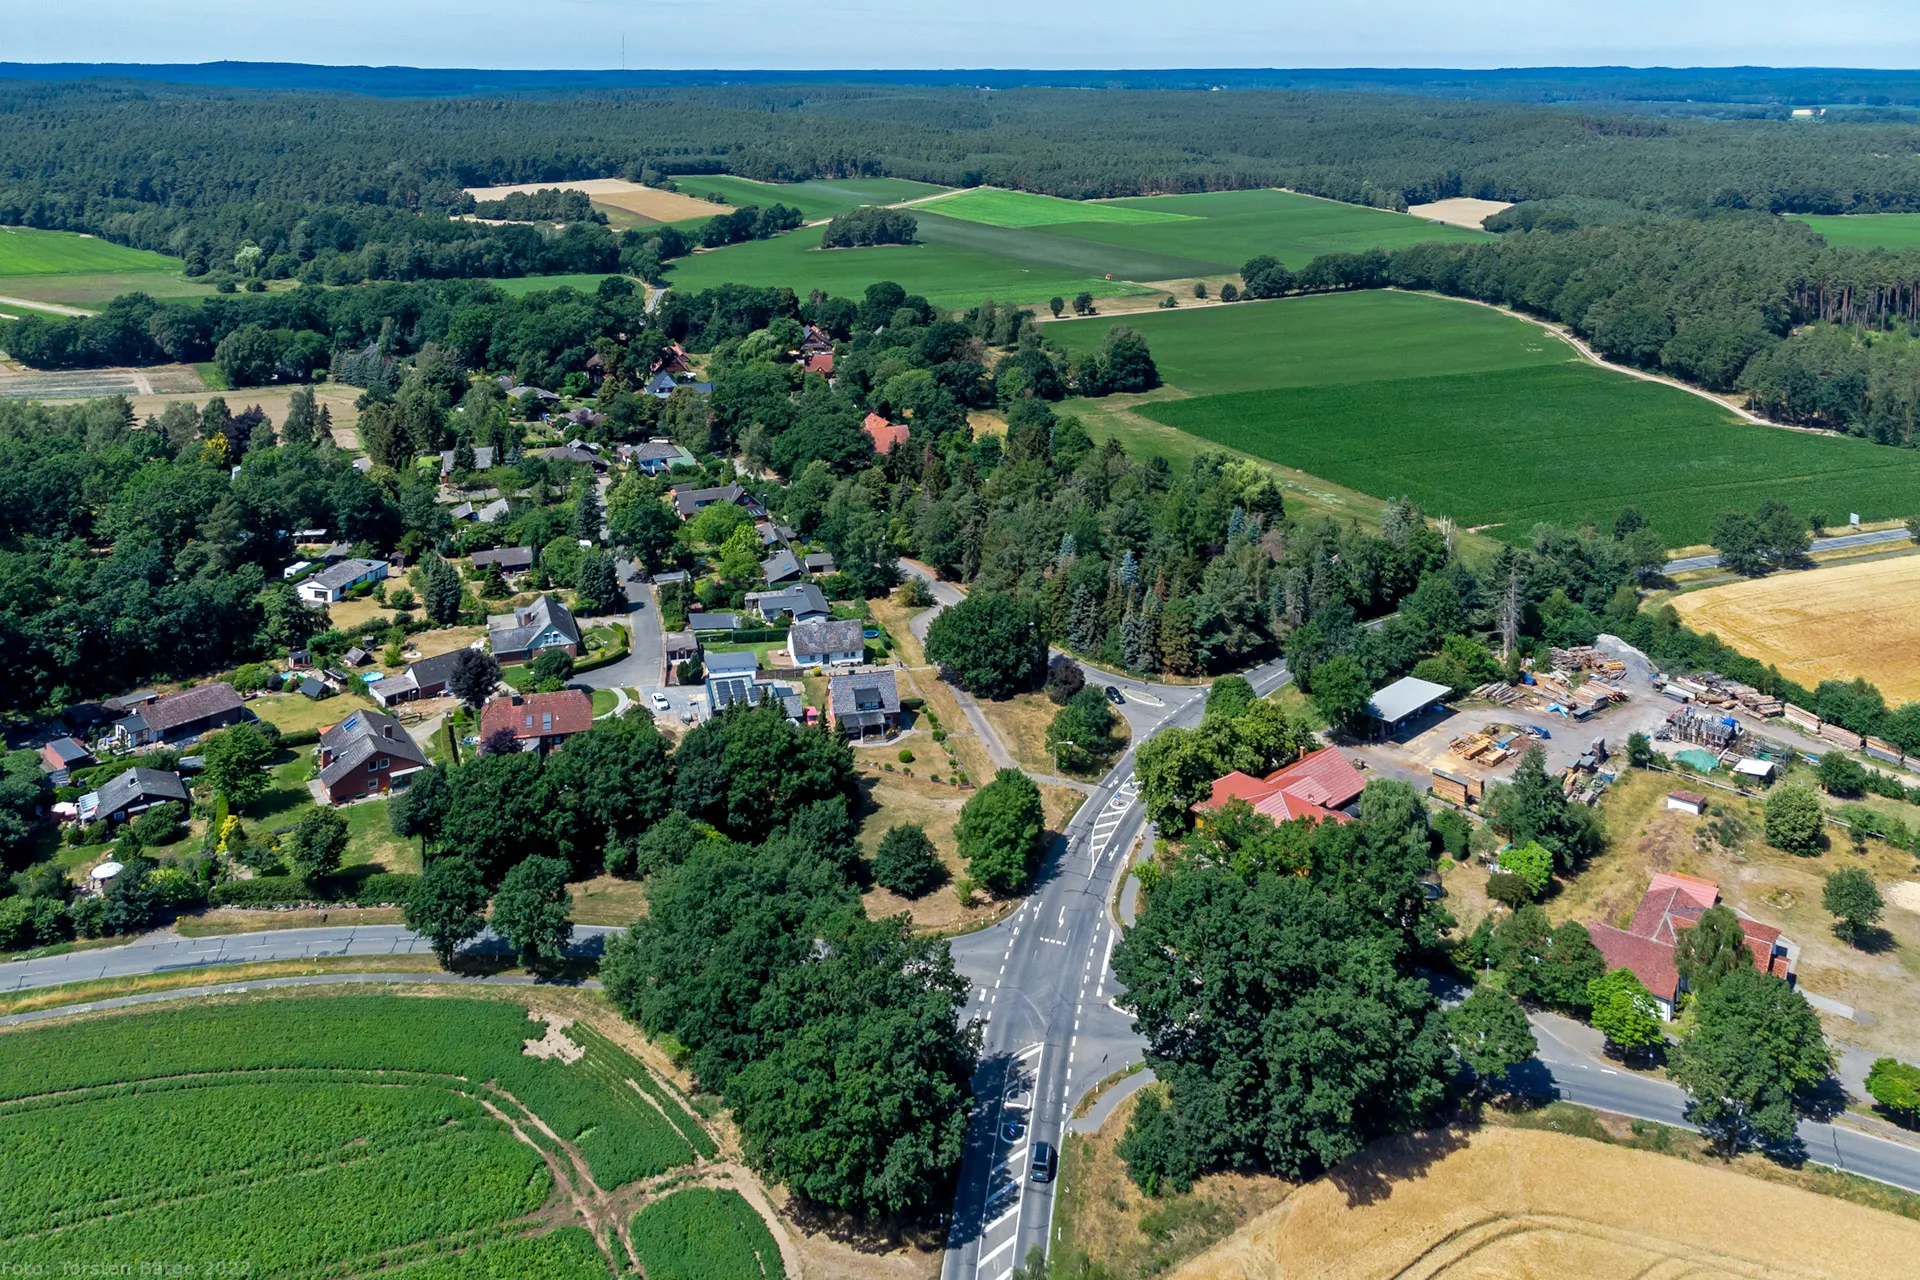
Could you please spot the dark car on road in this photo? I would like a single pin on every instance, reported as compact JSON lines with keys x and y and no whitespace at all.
{"x":1043,"y":1162}
{"x":1115,"y":696}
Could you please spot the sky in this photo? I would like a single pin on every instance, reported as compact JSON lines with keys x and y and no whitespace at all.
{"x":783,"y":34}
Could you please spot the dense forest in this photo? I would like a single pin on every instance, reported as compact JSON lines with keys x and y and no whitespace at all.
{"x":204,"y":174}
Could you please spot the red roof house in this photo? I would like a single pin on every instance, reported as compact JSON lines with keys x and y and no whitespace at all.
{"x":539,"y":721}
{"x":884,"y":434}
{"x":1318,"y":785}
{"x":1671,"y":903}
{"x":820,"y":363}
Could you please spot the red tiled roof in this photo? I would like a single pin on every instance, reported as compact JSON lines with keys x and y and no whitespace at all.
{"x":538,"y":715}
{"x":1280,"y":803}
{"x":884,"y":434}
{"x":1703,"y":892}
{"x":1323,"y":777}
{"x":1650,"y":961}
{"x":821,"y":363}
{"x":1285,"y":806}
{"x":1235,"y":786}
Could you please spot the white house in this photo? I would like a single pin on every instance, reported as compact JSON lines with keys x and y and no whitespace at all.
{"x":335,"y":581}
{"x":820,"y":642}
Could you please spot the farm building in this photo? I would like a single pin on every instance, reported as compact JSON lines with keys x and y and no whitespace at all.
{"x":1404,"y":701}
{"x":179,"y":716}
{"x":1671,"y":903}
{"x":334,"y":582}
{"x":525,"y":633}
{"x":1319,"y":785}
{"x":365,"y":755}
{"x":1687,"y":802}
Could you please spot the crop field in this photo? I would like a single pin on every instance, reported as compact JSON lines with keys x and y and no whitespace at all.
{"x":947,"y":275}
{"x":28,"y":252}
{"x":1513,"y":1202}
{"x":704,"y":1233}
{"x":1330,"y":338}
{"x":419,"y":1134}
{"x":1002,"y":208}
{"x":820,"y":198}
{"x":1843,"y":621}
{"x":1866,"y":230}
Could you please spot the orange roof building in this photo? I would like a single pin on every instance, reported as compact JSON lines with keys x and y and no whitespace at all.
{"x":1671,"y":903}
{"x":885,"y":435}
{"x":1319,"y":785}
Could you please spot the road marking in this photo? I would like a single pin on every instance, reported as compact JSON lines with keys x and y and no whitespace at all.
{"x":995,"y":1252}
{"x":997,"y":1221}
{"x":1058,"y":942}
{"x":1029,"y":1051}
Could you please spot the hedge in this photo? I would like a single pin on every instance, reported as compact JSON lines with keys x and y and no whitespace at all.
{"x":385,"y":888}
{"x":262,"y":891}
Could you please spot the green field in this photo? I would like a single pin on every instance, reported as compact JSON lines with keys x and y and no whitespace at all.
{"x":704,"y":1233}
{"x":1000,"y":208}
{"x":947,"y":275}
{"x":820,"y":198}
{"x":337,"y":1135}
{"x":27,"y":252}
{"x":1562,"y":443}
{"x":1328,"y":338}
{"x":1866,"y":230}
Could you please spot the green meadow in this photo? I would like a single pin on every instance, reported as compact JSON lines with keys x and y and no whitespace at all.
{"x":1865,"y":230}
{"x":67,"y":269}
{"x":587,"y":282}
{"x":1002,"y":208}
{"x":1327,"y":338}
{"x":820,"y":198}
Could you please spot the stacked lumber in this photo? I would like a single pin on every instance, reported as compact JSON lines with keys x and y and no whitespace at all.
{"x":1458,"y":788}
{"x":1584,"y":657}
{"x":1802,"y":717}
{"x":1844,"y":737}
{"x":1499,"y":691}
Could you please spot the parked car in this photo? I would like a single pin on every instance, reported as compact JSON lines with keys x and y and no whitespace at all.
{"x":1043,"y":1162}
{"x":1115,"y":696}
{"x":661,"y":702}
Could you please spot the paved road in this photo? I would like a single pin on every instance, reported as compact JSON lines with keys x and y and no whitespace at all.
{"x":1041,"y":981}
{"x":166,"y":952}
{"x":1839,"y":542}
{"x":644,"y":667}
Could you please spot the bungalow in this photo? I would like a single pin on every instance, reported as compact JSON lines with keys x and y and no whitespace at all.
{"x":820,"y":362}
{"x":819,"y":642}
{"x":180,"y":716}
{"x":523,"y":634}
{"x":1671,"y":903}
{"x":732,"y":679}
{"x":863,"y":704}
{"x":1321,"y":785}
{"x":771,"y":533}
{"x":426,"y":678}
{"x":498,"y":509}
{"x":482,"y":459}
{"x":818,"y":562}
{"x":656,"y":456}
{"x":540,"y":721}
{"x":680,"y":646}
{"x":780,"y":566}
{"x":800,"y":602}
{"x":333,"y":583}
{"x":510,"y":560}
{"x":745,"y":662}
{"x":705,"y":624}
{"x":691,"y":502}
{"x":65,"y":753}
{"x":462,"y":511}
{"x":134,"y":791}
{"x":660,"y":385}
{"x":576,"y":451}
{"x":885,"y":435}
{"x":366,"y":754}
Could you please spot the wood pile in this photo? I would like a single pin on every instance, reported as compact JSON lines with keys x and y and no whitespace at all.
{"x":1584,"y":657}
{"x":1458,"y":789}
{"x":1802,"y":717}
{"x":1501,"y":692}
{"x":1480,"y":748}
{"x":1844,"y":737}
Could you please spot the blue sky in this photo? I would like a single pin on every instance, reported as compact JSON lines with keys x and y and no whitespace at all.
{"x":968,"y":33}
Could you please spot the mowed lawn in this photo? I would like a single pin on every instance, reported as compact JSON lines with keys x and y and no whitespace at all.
{"x":820,"y":198}
{"x":1866,"y":230}
{"x":1328,"y":338}
{"x":1562,"y":443}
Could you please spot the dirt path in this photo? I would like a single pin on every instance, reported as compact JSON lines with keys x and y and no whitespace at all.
{"x":54,"y":307}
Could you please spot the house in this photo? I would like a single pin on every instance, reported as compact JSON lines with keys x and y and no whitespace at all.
{"x":335,"y":554}
{"x":864,"y":703}
{"x":745,"y":662}
{"x":180,"y":716}
{"x":1397,"y":705}
{"x":820,"y":362}
{"x":426,"y":678}
{"x":462,"y":511}
{"x":885,"y":435}
{"x":703,"y":624}
{"x":691,"y":502}
{"x":134,"y":791}
{"x":65,"y":753}
{"x":509,"y":559}
{"x":818,"y":562}
{"x":299,"y":660}
{"x":366,"y":754}
{"x":334,"y":582}
{"x":656,"y":456}
{"x":673,"y":360}
{"x":671,"y":577}
{"x":498,"y":509}
{"x":577,"y":451}
{"x":780,"y":566}
{"x":482,"y":459}
{"x":1321,"y":785}
{"x":1671,"y":903}
{"x":732,"y":679}
{"x":819,"y":642}
{"x":679,"y":646}
{"x":771,"y":533}
{"x":544,"y":624}
{"x":815,"y":340}
{"x":308,"y":537}
{"x":539,"y":721}
{"x":799,"y":602}
{"x":660,"y":385}
{"x":1687,"y":802}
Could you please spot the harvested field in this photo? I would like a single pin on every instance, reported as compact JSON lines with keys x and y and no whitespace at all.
{"x":1510,"y":1202}
{"x":1460,"y":211}
{"x":1839,"y":622}
{"x":19,"y":383}
{"x":659,"y":206}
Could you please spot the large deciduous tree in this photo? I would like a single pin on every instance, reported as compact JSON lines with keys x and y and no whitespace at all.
{"x":1713,"y":948}
{"x":990,"y":644}
{"x":236,"y":764}
{"x":534,"y":912}
{"x":1755,"y":1046}
{"x":1491,"y":1034}
{"x":999,"y":832}
{"x":447,"y":906}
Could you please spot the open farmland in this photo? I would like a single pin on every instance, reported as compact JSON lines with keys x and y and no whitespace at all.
{"x":406,"y":1129}
{"x":1865,"y":230}
{"x":1002,"y":208}
{"x":1838,"y":622}
{"x":816,"y":199}
{"x":704,"y":1233}
{"x":67,"y":269}
{"x":646,"y":203}
{"x":1514,"y":1202}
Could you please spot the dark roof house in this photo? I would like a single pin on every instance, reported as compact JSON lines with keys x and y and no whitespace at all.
{"x":183,"y":715}
{"x":690,"y":502}
{"x":132,"y":792}
{"x":780,"y":566}
{"x":509,"y":559}
{"x":863,"y":702}
{"x":544,"y":624}
{"x":365,"y":754}
{"x":823,"y":642}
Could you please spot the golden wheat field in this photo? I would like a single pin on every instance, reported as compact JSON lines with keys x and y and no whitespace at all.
{"x":1839,"y":622}
{"x":661,"y":206}
{"x":1523,"y":1204}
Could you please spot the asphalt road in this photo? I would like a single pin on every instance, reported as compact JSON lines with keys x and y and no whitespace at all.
{"x":644,"y":666}
{"x":1041,"y":983}
{"x":1839,"y":542}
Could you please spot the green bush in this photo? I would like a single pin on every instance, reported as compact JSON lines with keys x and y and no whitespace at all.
{"x":906,"y":756}
{"x":261,"y":891}
{"x":386,"y":888}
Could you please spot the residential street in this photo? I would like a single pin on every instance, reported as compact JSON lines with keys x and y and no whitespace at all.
{"x":644,"y":666}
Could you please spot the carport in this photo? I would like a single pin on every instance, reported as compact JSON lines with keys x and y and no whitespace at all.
{"x":1404,"y":701}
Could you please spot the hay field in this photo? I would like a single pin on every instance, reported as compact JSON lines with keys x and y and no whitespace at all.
{"x":1460,"y":211}
{"x":1839,"y":622}
{"x":1522,"y":1203}
{"x":659,"y":206}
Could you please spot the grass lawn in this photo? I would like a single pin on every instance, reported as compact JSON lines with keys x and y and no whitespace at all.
{"x":370,"y":839}
{"x":1003,"y":208}
{"x":608,"y":900}
{"x":1325,"y":339}
{"x":1563,"y":443}
{"x":761,"y":648}
{"x":947,"y":275}
{"x":588,"y":282}
{"x":604,"y":701}
{"x":1865,"y":230}
{"x":294,"y":713}
{"x":896,"y":801}
{"x":822,"y":198}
